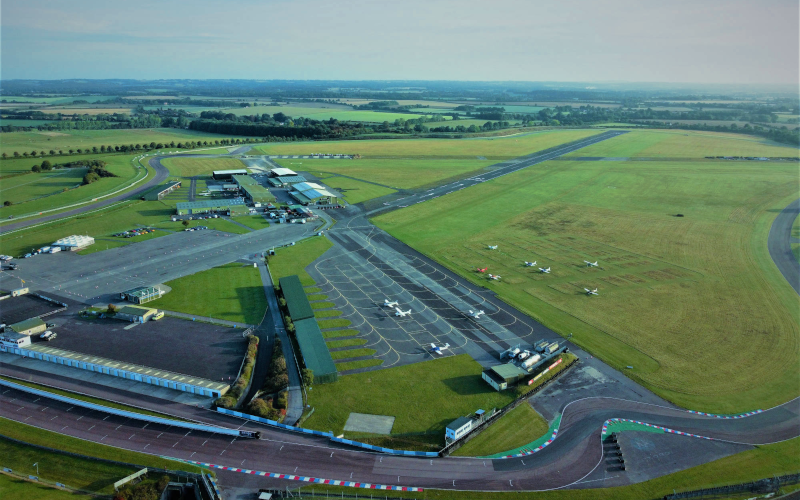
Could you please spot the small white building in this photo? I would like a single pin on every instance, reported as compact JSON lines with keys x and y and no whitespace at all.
{"x":73,"y":243}
{"x":458,"y":428}
{"x":13,"y":339}
{"x":280,"y":172}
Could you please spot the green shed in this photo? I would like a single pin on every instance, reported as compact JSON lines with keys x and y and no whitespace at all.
{"x":296,"y":298}
{"x":315,"y":352}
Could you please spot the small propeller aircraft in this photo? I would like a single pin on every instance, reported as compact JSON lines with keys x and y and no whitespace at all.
{"x":482,"y":270}
{"x":390,"y":303}
{"x":494,"y":277}
{"x":401,"y":313}
{"x":591,"y":292}
{"x":475,"y":314}
{"x":530,"y":264}
{"x":545,"y":270}
{"x":492,"y":247}
{"x":438,"y":350}
{"x":590,"y":264}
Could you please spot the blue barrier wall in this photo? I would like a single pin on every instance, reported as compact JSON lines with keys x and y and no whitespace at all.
{"x":406,"y":453}
{"x":273,"y":423}
{"x":121,"y":413}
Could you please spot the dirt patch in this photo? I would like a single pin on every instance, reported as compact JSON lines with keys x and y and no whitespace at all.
{"x":52,"y":134}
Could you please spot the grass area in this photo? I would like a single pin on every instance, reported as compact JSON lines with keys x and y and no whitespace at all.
{"x":702,"y":284}
{"x":339,"y":333}
{"x":354,"y":365}
{"x":288,"y":261}
{"x":492,"y":148}
{"x":327,"y":314}
{"x":80,"y":473}
{"x":355,"y":191}
{"x":41,"y":437}
{"x":761,"y":462}
{"x":351,"y":353}
{"x":404,"y":173}
{"x":216,"y":224}
{"x":189,"y":167}
{"x":231,"y":292}
{"x":684,"y":144}
{"x":333,"y":323}
{"x":252,"y":221}
{"x":316,"y":296}
{"x":33,"y":193}
{"x":88,"y":399}
{"x":74,"y":139}
{"x":423,"y":397}
{"x":340,"y":113}
{"x":334,"y":344}
{"x":101,"y":223}
{"x":322,"y":305}
{"x":11,"y":487}
{"x":516,"y":428}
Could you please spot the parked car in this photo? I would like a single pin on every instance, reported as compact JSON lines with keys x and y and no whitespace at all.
{"x":48,"y":336}
{"x":51,"y":325}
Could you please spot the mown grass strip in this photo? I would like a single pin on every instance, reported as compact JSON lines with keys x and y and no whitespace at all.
{"x":352,"y":353}
{"x":333,"y":344}
{"x":353,"y":365}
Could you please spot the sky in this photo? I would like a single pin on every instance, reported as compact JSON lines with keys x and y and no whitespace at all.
{"x":697,"y":41}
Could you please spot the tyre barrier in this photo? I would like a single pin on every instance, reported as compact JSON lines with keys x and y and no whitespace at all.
{"x":307,"y":479}
{"x":122,"y":413}
{"x":406,"y":453}
{"x":273,"y":423}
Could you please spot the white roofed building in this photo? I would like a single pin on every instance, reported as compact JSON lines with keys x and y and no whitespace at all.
{"x":279,"y":172}
{"x":74,"y":242}
{"x":311,"y":193}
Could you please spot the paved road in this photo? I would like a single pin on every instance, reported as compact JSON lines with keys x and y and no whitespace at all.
{"x":569,"y":459}
{"x":779,"y":244}
{"x":159,"y":177}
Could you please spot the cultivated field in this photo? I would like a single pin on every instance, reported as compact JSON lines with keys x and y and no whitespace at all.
{"x":74,"y":139}
{"x":693,"y":303}
{"x":491,"y":148}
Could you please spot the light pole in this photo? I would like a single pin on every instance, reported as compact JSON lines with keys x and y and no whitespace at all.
{"x":37,"y":468}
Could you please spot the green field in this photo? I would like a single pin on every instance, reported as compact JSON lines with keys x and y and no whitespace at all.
{"x":11,"y":487}
{"x":694,"y":304}
{"x":288,"y":261}
{"x":355,"y":191}
{"x":255,"y":222}
{"x":340,"y":113}
{"x":516,"y":428}
{"x":74,"y":139}
{"x":684,"y":144}
{"x":231,"y":292}
{"x":33,"y":193}
{"x":189,"y":167}
{"x":423,"y":397}
{"x":396,"y":173}
{"x":492,"y":148}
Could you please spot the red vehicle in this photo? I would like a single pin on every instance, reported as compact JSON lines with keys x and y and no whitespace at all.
{"x":482,"y":270}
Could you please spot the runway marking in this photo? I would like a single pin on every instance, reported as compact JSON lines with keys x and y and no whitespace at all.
{"x":107,"y":416}
{"x":243,"y":461}
{"x":102,"y":438}
{"x":92,"y":427}
{"x":145,"y":446}
{"x":54,"y":418}
{"x":281,"y":447}
{"x":131,"y":436}
{"x":20,"y":408}
{"x":223,"y":451}
{"x":190,"y":456}
{"x":145,"y":425}
{"x":204,"y":442}
{"x":29,"y":416}
{"x":120,"y":425}
{"x":176,"y":444}
{"x":70,"y":408}
{"x":37,"y":399}
{"x":64,"y":427}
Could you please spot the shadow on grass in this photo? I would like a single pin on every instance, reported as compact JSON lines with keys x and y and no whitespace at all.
{"x":466,"y":385}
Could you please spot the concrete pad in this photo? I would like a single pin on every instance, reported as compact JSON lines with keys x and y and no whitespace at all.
{"x":374,"y":424}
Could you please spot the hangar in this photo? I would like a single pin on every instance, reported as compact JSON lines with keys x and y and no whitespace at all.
{"x":315,"y":352}
{"x":224,"y":175}
{"x":230,"y":206}
{"x":311,"y":193}
{"x":157,"y":194}
{"x":280,"y":172}
{"x":286,"y":180}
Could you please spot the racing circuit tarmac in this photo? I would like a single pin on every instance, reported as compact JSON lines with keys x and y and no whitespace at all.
{"x":364,"y":266}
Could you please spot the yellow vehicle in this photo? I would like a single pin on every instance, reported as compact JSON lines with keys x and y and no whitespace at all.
{"x":158,"y":315}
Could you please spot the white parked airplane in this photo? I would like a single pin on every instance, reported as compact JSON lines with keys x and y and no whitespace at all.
{"x":438,"y":350}
{"x":398,"y":312}
{"x":495,"y":277}
{"x":544,"y":269}
{"x":492,"y":247}
{"x":388,"y":303}
{"x":530,"y":264}
{"x":591,"y":292}
{"x":590,"y":264}
{"x":475,"y":314}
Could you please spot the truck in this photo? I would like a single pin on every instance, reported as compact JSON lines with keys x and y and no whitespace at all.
{"x":55,"y":249}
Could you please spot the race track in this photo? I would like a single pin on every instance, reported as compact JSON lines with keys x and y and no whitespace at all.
{"x":779,"y":243}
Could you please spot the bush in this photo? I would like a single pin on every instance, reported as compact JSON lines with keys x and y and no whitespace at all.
{"x":36,"y":169}
{"x":308,"y":377}
{"x":225,"y":402}
{"x":111,"y":309}
{"x":263,"y":408}
{"x":282,"y":401}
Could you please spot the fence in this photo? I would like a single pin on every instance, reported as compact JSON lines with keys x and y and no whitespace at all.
{"x":274,"y":423}
{"x":121,"y":413}
{"x":486,"y":423}
{"x":767,"y":485}
{"x":406,"y":453}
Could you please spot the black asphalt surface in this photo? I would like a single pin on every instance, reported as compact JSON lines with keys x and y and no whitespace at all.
{"x":573,"y":459}
{"x":779,"y":244}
